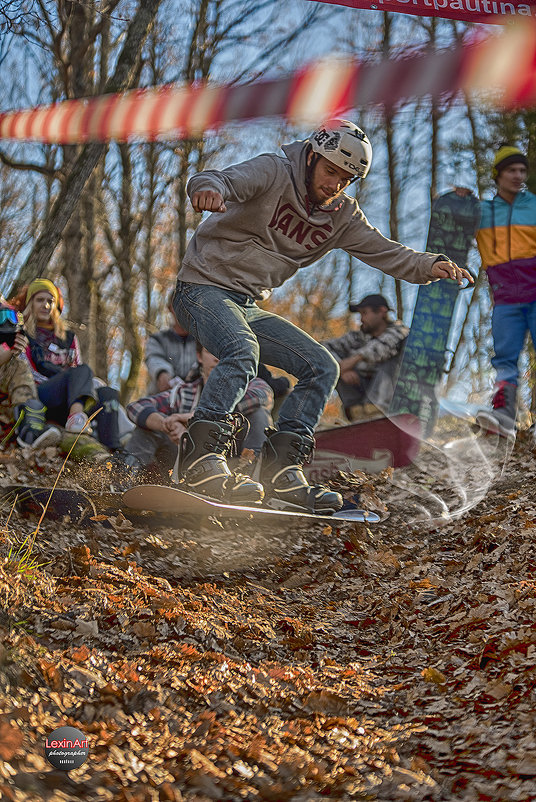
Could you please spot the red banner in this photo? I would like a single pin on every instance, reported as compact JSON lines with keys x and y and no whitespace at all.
{"x":488,"y":11}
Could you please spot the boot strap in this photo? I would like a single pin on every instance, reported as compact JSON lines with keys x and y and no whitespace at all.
{"x":229,"y":481}
{"x":281,"y":471}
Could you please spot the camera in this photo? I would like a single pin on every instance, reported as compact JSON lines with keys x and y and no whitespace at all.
{"x":10,"y":325}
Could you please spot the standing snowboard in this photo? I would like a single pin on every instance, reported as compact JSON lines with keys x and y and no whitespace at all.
{"x":453,"y":222}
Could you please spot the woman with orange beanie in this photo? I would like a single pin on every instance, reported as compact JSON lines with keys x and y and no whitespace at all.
{"x":64,"y":383}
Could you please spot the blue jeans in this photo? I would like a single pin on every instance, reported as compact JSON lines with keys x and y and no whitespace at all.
{"x":232,"y":327}
{"x":509,"y":326}
{"x":61,"y":391}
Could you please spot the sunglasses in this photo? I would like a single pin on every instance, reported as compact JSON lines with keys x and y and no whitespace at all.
{"x":10,"y":316}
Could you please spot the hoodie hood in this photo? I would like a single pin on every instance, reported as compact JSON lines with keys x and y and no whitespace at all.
{"x":296,"y":153}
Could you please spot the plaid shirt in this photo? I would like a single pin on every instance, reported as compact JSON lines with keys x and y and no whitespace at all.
{"x":185,"y":395}
{"x":373,"y":349}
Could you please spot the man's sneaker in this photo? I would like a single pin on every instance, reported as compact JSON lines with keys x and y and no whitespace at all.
{"x":202,"y":467}
{"x":501,"y":419}
{"x":76,"y":422}
{"x":285,"y":485}
{"x":33,"y":431}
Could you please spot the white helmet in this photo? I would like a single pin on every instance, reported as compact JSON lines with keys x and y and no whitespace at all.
{"x":344,"y":144}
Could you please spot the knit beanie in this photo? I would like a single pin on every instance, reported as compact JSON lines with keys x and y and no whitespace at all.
{"x":507,"y":154}
{"x":44,"y":285}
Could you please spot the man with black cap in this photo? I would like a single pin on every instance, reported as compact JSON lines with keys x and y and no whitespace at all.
{"x":368,"y":356}
{"x":506,"y":241}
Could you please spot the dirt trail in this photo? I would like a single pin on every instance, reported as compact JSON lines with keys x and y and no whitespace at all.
{"x":244,"y":663}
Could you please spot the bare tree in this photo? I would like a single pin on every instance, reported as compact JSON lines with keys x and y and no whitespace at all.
{"x":215,"y":25}
{"x":15,"y":15}
{"x":85,"y":162}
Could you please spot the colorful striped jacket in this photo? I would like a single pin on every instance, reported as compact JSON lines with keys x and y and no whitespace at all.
{"x":506,"y":241}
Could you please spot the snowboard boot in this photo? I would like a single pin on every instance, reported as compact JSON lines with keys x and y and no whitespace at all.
{"x":501,"y":418}
{"x":202,"y":464}
{"x":285,"y":485}
{"x":33,"y":431}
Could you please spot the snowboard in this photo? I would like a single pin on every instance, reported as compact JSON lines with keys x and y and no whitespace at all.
{"x":76,"y":504}
{"x":453,"y":222}
{"x":160,"y":498}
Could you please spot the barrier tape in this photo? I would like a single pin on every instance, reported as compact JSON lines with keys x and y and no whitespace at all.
{"x":503,"y":67}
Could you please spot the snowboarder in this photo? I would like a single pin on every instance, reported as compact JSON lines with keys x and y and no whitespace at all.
{"x":271,"y":216}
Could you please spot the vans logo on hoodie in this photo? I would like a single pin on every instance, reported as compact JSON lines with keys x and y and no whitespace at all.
{"x":288,"y":221}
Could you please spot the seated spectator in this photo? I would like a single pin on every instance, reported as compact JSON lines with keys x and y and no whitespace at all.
{"x":20,"y":409}
{"x":169,"y":355}
{"x":64,"y":383}
{"x":279,"y":384}
{"x":368,"y":357}
{"x":162,"y":419}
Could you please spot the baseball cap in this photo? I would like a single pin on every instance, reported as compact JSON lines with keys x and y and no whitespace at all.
{"x":374,"y":301}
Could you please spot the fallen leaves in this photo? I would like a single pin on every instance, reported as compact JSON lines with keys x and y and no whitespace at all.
{"x":11,"y":740}
{"x":80,"y":655}
{"x":434,"y":675}
{"x":327,"y":662}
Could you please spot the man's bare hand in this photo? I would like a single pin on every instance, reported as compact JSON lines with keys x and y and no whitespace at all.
{"x":20,"y":344}
{"x":451,"y":270}
{"x":184,"y":417}
{"x":350,"y":377}
{"x":174,"y":428}
{"x":208,"y":201}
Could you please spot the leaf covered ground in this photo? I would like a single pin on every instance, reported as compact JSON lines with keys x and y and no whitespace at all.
{"x":248,"y":662}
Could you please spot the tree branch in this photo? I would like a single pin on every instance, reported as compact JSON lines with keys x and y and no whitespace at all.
{"x":67,"y":200}
{"x":50,"y":172}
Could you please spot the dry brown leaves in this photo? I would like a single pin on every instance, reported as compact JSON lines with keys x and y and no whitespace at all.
{"x":252,"y":664}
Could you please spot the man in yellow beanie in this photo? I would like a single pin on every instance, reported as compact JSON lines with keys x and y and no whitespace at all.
{"x":507,"y":244}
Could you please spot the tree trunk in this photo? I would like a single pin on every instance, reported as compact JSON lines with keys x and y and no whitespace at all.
{"x":126,"y":256}
{"x":127,"y":69}
{"x":435,"y":117}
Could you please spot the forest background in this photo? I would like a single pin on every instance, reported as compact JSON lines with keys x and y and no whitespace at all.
{"x":111,"y":222}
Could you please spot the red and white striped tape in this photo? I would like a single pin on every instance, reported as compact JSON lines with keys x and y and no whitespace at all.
{"x":503,"y":67}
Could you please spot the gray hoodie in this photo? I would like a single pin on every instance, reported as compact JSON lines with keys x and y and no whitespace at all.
{"x":270,"y":229}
